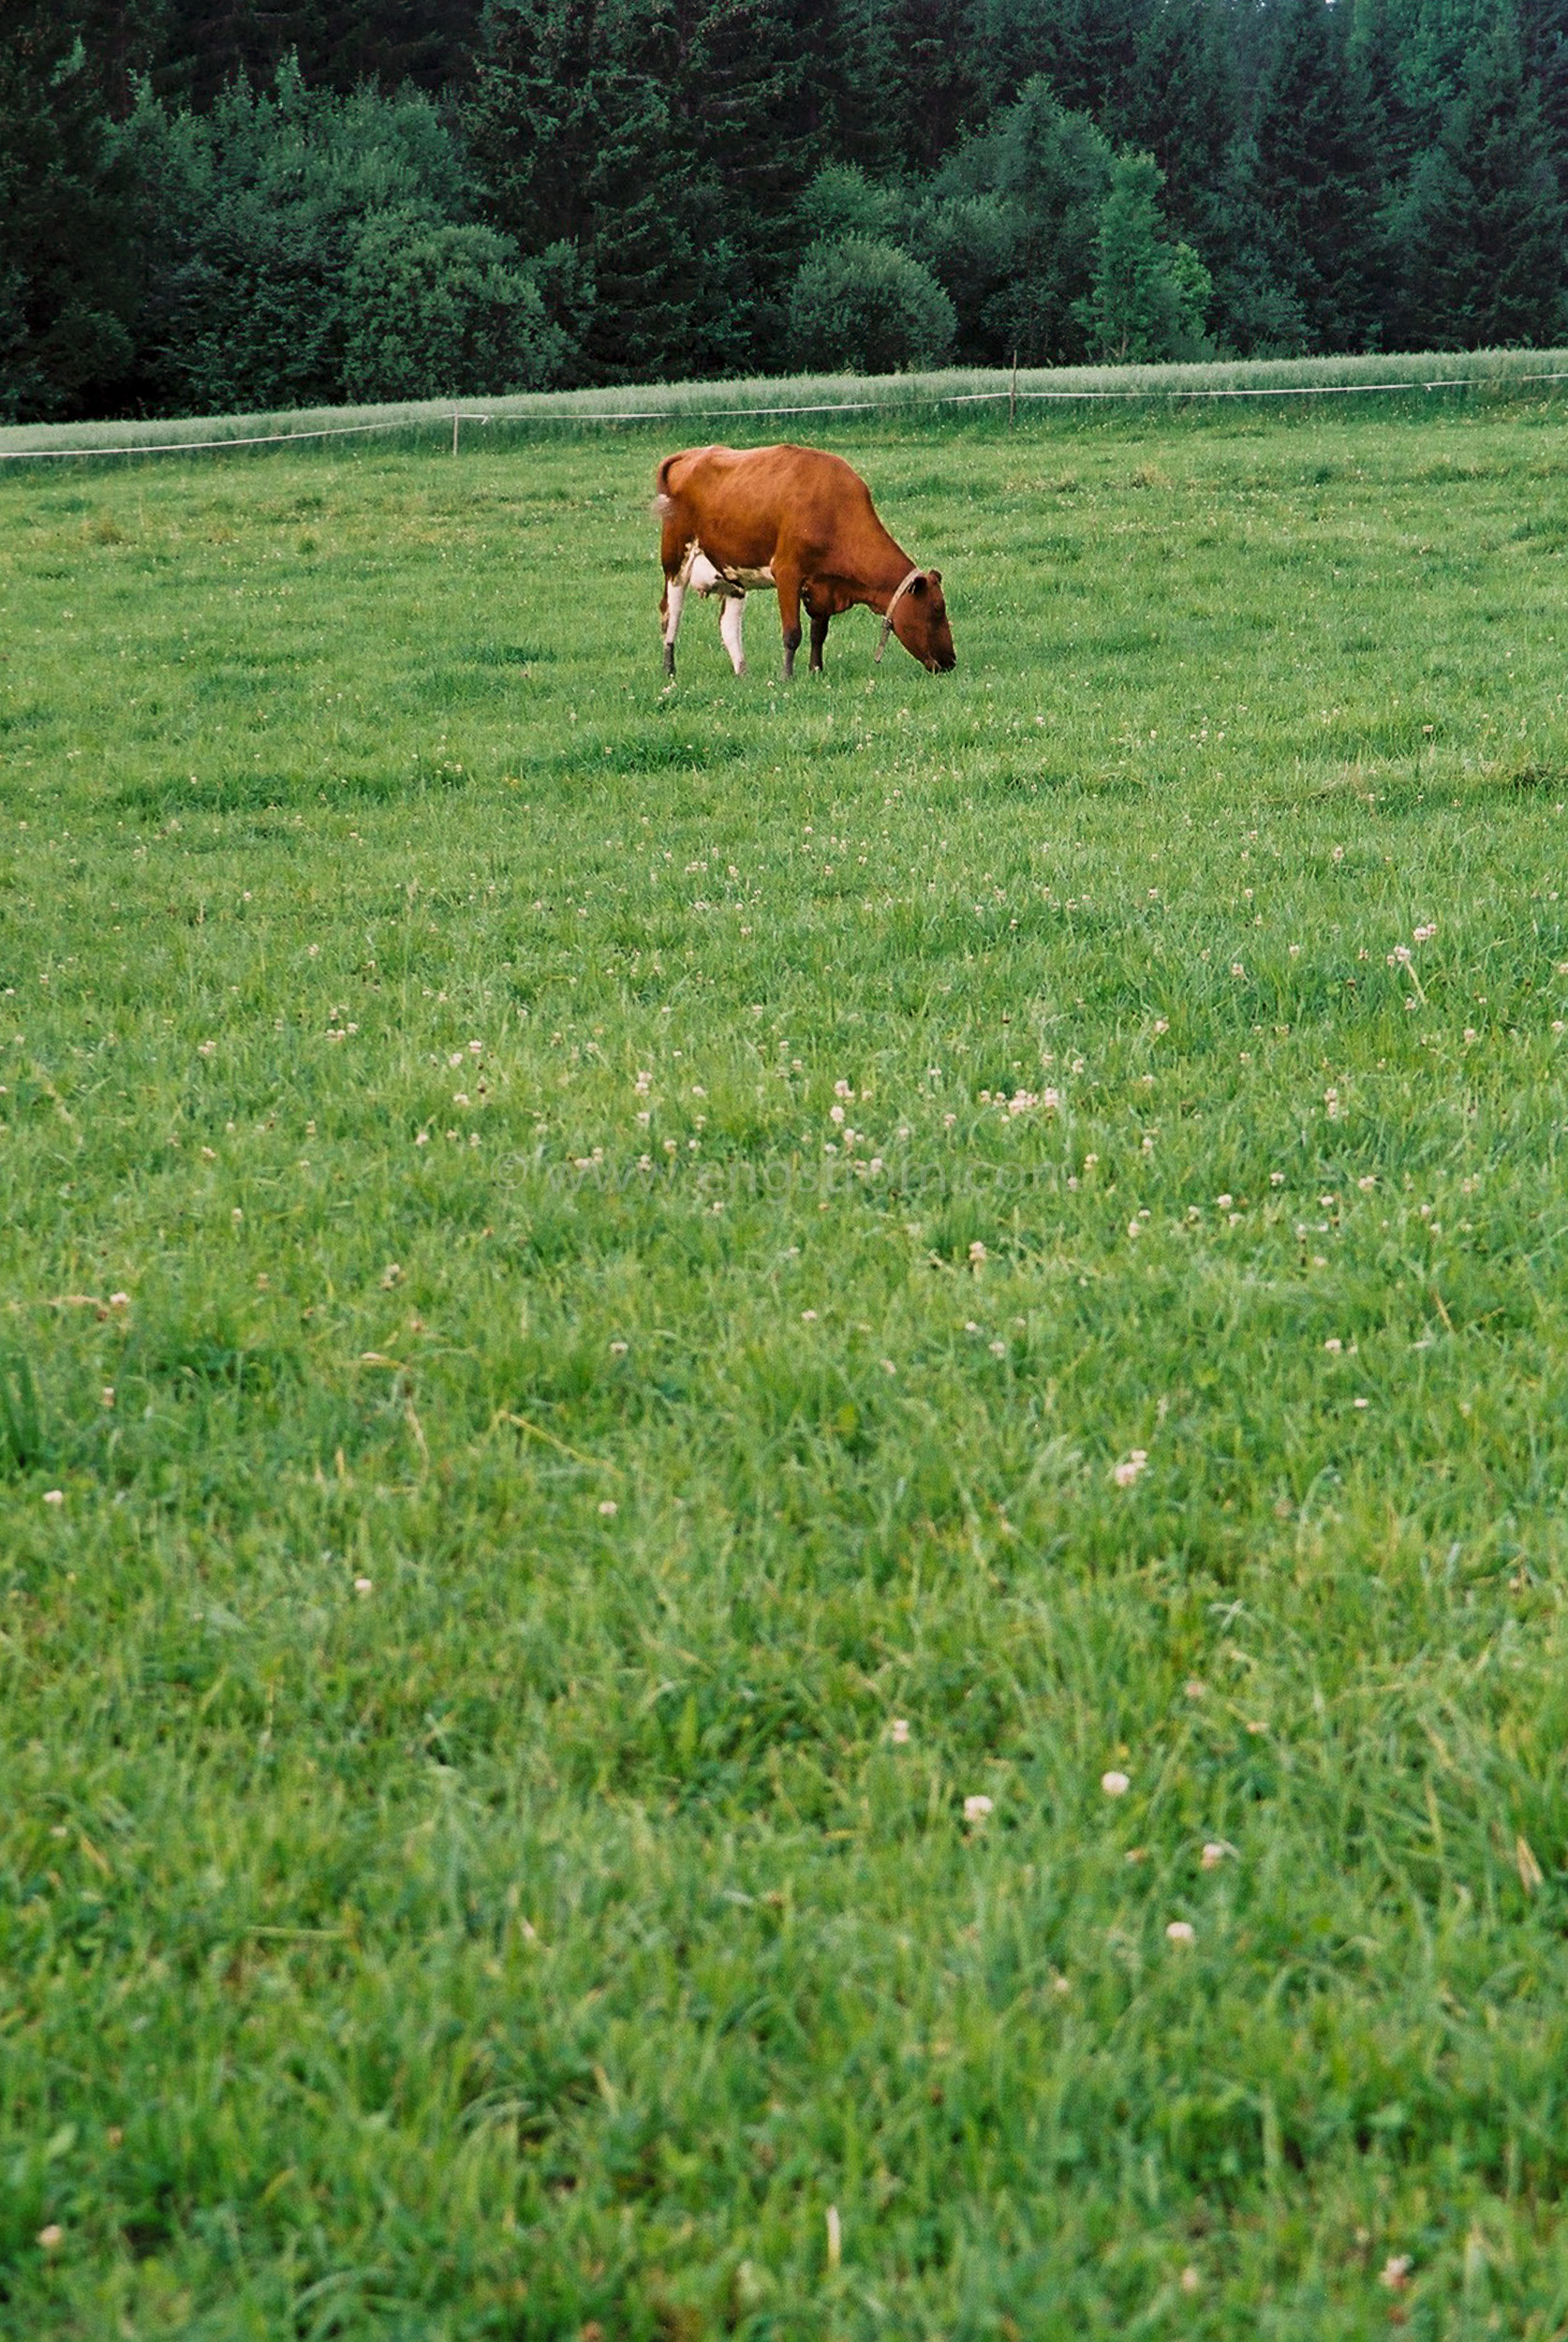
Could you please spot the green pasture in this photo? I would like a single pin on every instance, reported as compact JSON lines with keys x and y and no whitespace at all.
{"x":618,"y":1307}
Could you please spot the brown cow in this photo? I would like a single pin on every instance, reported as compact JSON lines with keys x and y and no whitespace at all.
{"x":800,"y":520}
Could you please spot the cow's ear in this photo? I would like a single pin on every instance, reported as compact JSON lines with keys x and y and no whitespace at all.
{"x":936,"y":577}
{"x":918,"y":585}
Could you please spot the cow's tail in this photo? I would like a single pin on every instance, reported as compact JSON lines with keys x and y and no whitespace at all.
{"x":664,"y":500}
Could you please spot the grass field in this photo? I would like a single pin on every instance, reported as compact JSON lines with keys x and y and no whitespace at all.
{"x":619,"y":1308}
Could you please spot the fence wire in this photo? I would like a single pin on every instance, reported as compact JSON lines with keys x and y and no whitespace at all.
{"x":580,"y":417}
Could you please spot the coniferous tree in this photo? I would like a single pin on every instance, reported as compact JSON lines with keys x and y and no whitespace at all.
{"x":754,"y":96}
{"x":300,"y":247}
{"x":1379,"y":47}
{"x":1317,"y":183}
{"x":1184,"y":106}
{"x":1432,"y":41}
{"x":1482,"y":225}
{"x":577,"y":130}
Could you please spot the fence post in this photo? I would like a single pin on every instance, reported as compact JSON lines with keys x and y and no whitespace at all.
{"x":456,"y":419}
{"x":1012,"y":395}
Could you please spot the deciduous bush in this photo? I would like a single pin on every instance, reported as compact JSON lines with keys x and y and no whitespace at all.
{"x":431,"y":310}
{"x":860,"y":306}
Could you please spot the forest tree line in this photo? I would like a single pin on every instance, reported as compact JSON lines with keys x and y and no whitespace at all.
{"x":214,"y":207}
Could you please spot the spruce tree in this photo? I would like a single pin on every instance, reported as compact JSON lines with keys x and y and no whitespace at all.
{"x":1317,"y":182}
{"x":1149,"y":294}
{"x":1182,"y":105}
{"x":1483,"y":224}
{"x":754,"y":97}
{"x":1380,"y":44}
{"x":1051,"y":170}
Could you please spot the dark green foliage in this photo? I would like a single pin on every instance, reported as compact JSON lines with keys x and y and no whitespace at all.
{"x":1013,"y":225}
{"x":1086,"y":49}
{"x":1543,"y":38}
{"x":62,"y":304}
{"x":303,"y":249}
{"x":668,"y":146}
{"x":867,"y":307}
{"x":1186,"y":106}
{"x":205,"y":47}
{"x":841,"y":202}
{"x":197,"y":201}
{"x":928,"y":77}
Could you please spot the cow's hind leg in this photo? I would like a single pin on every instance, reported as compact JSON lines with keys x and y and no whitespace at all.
{"x":670,"y":607}
{"x":732,"y":622}
{"x":819,"y":636}
{"x":788,"y":582}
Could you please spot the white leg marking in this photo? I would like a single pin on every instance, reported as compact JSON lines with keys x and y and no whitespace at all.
{"x":731,"y":618}
{"x":673,"y":595}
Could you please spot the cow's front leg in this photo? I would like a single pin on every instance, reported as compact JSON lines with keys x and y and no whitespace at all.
{"x":819,"y":636}
{"x":732,"y":622}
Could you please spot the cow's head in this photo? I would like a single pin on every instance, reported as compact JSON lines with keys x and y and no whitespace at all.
{"x":920,"y":622}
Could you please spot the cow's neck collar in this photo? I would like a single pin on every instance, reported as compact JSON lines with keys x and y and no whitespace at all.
{"x":898,"y":593}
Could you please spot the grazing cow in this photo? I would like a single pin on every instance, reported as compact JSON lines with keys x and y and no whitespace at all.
{"x":735,"y":520}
